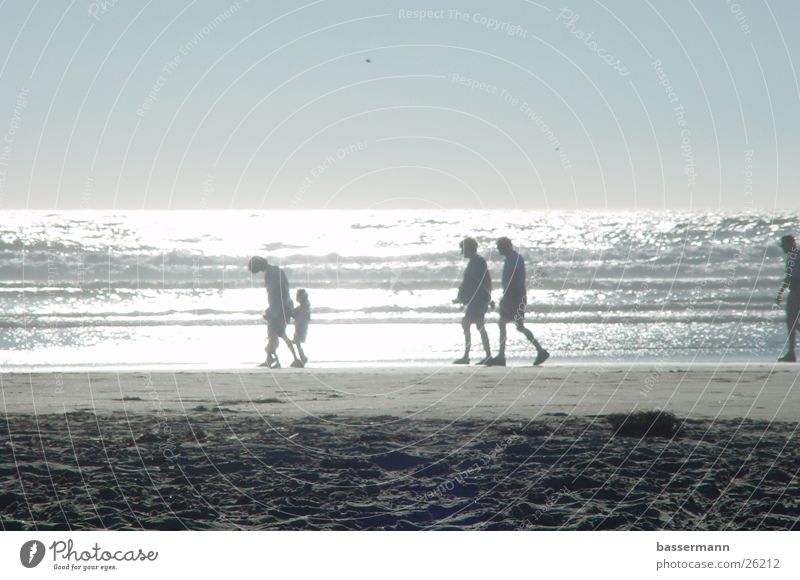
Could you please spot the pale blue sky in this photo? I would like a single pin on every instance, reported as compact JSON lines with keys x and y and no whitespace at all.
{"x":507,"y":104}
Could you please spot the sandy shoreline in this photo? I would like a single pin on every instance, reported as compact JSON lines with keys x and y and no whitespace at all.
{"x":514,"y":449}
{"x":756,"y":391}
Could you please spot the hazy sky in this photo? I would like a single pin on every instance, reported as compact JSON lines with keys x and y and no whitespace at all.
{"x":575,"y":104}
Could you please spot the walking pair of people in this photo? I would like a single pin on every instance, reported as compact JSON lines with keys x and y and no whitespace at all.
{"x":475,"y":293}
{"x":279,"y":311}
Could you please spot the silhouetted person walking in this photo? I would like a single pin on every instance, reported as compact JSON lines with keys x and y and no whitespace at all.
{"x":302,"y":316}
{"x":279,"y":308}
{"x":512,"y":304}
{"x":475,"y":293}
{"x":791,"y":281}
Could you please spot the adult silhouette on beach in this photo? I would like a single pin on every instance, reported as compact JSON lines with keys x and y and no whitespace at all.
{"x":791,"y":281}
{"x":279,"y":309}
{"x":512,"y":304}
{"x":475,"y":293}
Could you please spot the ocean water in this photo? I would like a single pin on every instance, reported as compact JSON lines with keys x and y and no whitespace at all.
{"x":170,"y":289}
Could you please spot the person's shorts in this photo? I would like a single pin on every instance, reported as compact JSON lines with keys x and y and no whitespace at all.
{"x":276,"y":328}
{"x":276,"y":323}
{"x":475,"y":313}
{"x":512,"y":308}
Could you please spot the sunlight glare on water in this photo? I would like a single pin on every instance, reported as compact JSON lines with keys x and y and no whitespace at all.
{"x":170,"y":287}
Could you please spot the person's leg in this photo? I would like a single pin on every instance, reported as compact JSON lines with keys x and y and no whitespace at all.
{"x":500,"y":359}
{"x":291,"y":347}
{"x":300,"y":353}
{"x":541,"y":354}
{"x":267,"y":361}
{"x":501,"y":353}
{"x":465,"y":324}
{"x":529,"y":335}
{"x":487,"y":349}
{"x":792,"y":321}
{"x":272,"y":348}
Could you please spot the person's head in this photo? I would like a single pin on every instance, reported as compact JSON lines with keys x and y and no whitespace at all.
{"x":301,"y":296}
{"x":504,"y":246}
{"x":257,"y":264}
{"x":788,"y":244}
{"x":469,"y":247}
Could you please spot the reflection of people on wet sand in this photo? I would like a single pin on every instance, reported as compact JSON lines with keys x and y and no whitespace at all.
{"x":475,"y":293}
{"x":302,"y":316}
{"x":791,"y":281}
{"x":512,"y":304}
{"x":279,"y":309}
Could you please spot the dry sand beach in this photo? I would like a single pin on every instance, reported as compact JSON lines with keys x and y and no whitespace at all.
{"x":404,"y":448}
